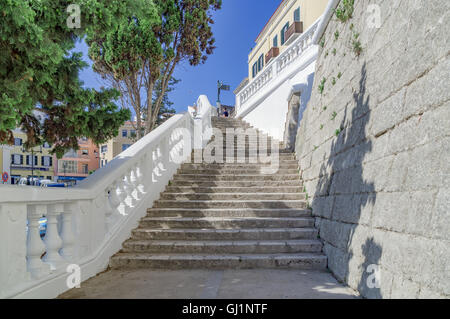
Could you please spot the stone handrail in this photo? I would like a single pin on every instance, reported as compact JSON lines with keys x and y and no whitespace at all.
{"x":276,"y":67}
{"x":87,"y":224}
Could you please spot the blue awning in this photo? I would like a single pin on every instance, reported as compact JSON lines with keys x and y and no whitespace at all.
{"x":70,"y":178}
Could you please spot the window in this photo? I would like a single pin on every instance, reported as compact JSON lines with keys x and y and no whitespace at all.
{"x":17,"y":159}
{"x":67,"y":167}
{"x":124,"y":133}
{"x":297,"y":15}
{"x":85,"y":152}
{"x":85,"y":169}
{"x":17,"y":141}
{"x":255,"y":69}
{"x":104,"y":148}
{"x":29,"y":162}
{"x":261,"y":62}
{"x":132,"y":133}
{"x":125,"y":147}
{"x":47,"y":161}
{"x":275,"y":41}
{"x":285,"y":28}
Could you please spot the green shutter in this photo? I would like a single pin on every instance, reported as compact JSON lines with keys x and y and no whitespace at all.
{"x":282,"y":33}
{"x":275,"y":41}
{"x":297,"y":15}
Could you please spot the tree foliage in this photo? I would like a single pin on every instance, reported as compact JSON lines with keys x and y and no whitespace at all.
{"x":40,"y":88}
{"x":138,"y":55}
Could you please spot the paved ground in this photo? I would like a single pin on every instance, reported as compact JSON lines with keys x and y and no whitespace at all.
{"x":210,"y":284}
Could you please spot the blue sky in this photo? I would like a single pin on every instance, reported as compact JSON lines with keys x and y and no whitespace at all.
{"x":236,"y":27}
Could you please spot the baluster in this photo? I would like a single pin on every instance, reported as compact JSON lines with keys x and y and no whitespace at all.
{"x":134,"y":182}
{"x":35,"y":245}
{"x":109,"y":210}
{"x":115,"y":197}
{"x":126,"y":187}
{"x":67,"y":236}
{"x":141,"y":175}
{"x":122,"y":195}
{"x":53,"y":242}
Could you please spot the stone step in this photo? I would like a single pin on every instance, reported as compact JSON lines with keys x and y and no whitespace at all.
{"x":216,"y":190}
{"x":243,"y":171}
{"x":222,"y":246}
{"x":239,"y":159}
{"x":241,"y":177}
{"x":284,"y":164}
{"x":230,"y":204}
{"x":225,"y":234}
{"x":233,"y":196}
{"x":244,"y":183}
{"x":305,"y":261}
{"x":225,"y":213}
{"x":227,"y":223}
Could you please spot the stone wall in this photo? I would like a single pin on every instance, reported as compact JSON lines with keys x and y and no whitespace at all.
{"x":374,"y":148}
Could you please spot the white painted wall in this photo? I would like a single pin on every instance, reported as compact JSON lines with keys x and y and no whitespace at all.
{"x":269,"y":115}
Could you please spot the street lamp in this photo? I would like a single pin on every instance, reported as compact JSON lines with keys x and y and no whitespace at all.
{"x":32,"y":159}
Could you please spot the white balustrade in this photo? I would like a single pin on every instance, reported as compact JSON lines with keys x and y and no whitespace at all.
{"x":88,"y":223}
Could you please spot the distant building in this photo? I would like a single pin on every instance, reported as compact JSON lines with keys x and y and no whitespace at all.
{"x":127,"y":137}
{"x":19,"y":162}
{"x":290,"y":19}
{"x":77,"y":165}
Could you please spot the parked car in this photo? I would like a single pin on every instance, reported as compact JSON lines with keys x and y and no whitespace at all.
{"x":49,"y":183}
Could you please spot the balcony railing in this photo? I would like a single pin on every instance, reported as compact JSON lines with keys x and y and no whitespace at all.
{"x":272,"y":71}
{"x":293,"y":32}
{"x":273,"y":53}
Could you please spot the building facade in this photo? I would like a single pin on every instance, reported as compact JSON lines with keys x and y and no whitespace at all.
{"x":77,"y":165}
{"x":290,"y":19}
{"x":127,"y":137}
{"x":19,"y":162}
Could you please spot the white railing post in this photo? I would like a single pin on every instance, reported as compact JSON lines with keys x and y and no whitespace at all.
{"x":35,"y":245}
{"x":67,"y":235}
{"x":53,"y":242}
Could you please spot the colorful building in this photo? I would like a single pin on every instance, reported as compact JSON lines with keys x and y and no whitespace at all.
{"x":19,"y":162}
{"x":290,"y":19}
{"x":127,"y":137}
{"x":77,"y":165}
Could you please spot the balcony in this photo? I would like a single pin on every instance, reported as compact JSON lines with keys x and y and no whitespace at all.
{"x":273,"y":53}
{"x":293,"y":32}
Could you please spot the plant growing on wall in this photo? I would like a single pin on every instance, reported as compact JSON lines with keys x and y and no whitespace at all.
{"x":345,"y":10}
{"x":333,"y":116}
{"x":336,"y":35}
{"x":322,"y":85}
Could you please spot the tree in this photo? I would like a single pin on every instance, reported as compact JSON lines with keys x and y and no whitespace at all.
{"x":140,"y":53}
{"x":39,"y":85}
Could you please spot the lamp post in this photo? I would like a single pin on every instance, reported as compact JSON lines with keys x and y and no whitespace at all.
{"x":32,"y":159}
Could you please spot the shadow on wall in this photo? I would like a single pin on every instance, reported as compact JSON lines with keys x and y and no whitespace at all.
{"x":305,"y":96}
{"x":351,"y":192}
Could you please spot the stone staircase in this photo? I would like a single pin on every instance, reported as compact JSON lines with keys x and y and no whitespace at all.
{"x":219,"y":216}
